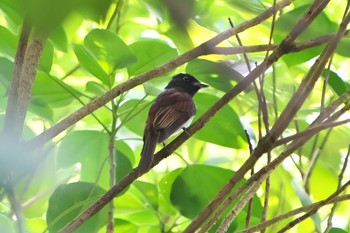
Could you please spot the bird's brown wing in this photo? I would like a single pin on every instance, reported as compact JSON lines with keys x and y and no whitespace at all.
{"x":173,"y":110}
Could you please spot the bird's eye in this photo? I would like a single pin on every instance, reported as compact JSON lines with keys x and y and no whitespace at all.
{"x":185,"y":78}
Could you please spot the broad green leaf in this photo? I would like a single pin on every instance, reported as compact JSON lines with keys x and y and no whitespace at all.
{"x":79,"y":146}
{"x":71,"y":199}
{"x":125,"y":226}
{"x":12,"y":13}
{"x":108,"y":50}
{"x":59,"y":38}
{"x":251,"y":6}
{"x":47,"y":15}
{"x":150,"y":54}
{"x":87,"y":60}
{"x":46,"y":58}
{"x":150,"y":192}
{"x":90,"y":148}
{"x":216,"y":75}
{"x":165,"y":186}
{"x":195,"y":187}
{"x":8,"y":42}
{"x":343,"y":47}
{"x":134,"y":206}
{"x":323,"y":182}
{"x":6,"y":225}
{"x":133,"y":115}
{"x":337,"y":230}
{"x":305,"y":201}
{"x":124,"y":166}
{"x":6,"y":72}
{"x":41,"y":109}
{"x":224,"y":128}
{"x":95,"y":88}
{"x":52,"y":91}
{"x":336,"y":83}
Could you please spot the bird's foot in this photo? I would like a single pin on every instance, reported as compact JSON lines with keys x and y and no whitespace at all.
{"x":165,"y":146}
{"x":185,"y":130}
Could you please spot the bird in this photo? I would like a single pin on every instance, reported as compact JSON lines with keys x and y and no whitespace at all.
{"x":169,"y":112}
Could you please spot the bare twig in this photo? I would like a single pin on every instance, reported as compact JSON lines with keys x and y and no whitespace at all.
{"x":240,"y":204}
{"x":314,"y":210}
{"x":291,"y":213}
{"x":340,"y":179}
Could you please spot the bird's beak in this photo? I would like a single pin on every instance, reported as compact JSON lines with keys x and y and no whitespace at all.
{"x":201,"y":85}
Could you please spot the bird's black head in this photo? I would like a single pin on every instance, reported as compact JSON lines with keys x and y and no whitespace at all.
{"x":186,"y":83}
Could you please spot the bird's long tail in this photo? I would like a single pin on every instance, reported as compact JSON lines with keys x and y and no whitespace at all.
{"x":149,"y":145}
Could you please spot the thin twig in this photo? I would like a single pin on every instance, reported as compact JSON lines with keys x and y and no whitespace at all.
{"x":291,"y":213}
{"x":314,"y":210}
{"x":340,"y":179}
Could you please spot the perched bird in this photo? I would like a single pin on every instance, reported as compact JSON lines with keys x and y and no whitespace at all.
{"x":169,"y":112}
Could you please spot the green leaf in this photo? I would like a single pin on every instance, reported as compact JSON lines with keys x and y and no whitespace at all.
{"x":95,"y":88}
{"x":343,"y":47}
{"x":90,"y":148}
{"x":217,"y":75}
{"x":125,"y":226}
{"x":6,"y":225}
{"x":8,"y":42}
{"x":252,"y":6}
{"x":6,"y":73}
{"x":47,"y":15}
{"x":306,"y":200}
{"x":59,"y":38}
{"x":124,"y":166}
{"x":88,"y":62}
{"x":108,"y":50}
{"x":337,"y":230}
{"x":224,"y":128}
{"x":71,"y":199}
{"x":51,"y":90}
{"x":46,"y":58}
{"x":336,"y":83}
{"x":150,"y":192}
{"x":79,"y":146}
{"x":150,"y":54}
{"x":41,"y":108}
{"x":11,"y":12}
{"x":165,"y":187}
{"x":133,"y":114}
{"x":197,"y":185}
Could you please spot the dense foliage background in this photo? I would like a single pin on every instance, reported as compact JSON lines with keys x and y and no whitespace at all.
{"x":81,"y":63}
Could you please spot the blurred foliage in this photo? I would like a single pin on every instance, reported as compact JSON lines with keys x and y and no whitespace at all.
{"x":95,"y":45}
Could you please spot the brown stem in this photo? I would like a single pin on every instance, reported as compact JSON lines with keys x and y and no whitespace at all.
{"x":13,"y":92}
{"x":291,"y":213}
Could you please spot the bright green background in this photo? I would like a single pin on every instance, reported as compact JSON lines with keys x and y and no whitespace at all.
{"x":103,"y":51}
